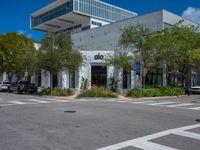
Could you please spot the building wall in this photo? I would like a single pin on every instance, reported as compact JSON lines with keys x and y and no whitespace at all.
{"x":106,"y":38}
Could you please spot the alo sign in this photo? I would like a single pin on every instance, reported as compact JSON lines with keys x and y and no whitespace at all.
{"x":98,"y":57}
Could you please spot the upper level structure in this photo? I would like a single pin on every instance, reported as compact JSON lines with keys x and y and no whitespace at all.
{"x":77,"y":15}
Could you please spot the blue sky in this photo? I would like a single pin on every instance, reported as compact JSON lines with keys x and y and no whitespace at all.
{"x":15,"y":14}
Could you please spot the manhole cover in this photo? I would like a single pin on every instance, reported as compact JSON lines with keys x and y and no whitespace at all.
{"x":198,"y":120}
{"x":69,"y":111}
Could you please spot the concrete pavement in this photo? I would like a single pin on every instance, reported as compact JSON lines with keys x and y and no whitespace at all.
{"x":92,"y":124}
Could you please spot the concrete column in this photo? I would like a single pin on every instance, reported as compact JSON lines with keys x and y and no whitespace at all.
{"x":133,"y":79}
{"x":110,"y":73}
{"x":164,"y":74}
{"x":120,"y":79}
{"x":45,"y":78}
{"x":63,"y":80}
{"x":5,"y":77}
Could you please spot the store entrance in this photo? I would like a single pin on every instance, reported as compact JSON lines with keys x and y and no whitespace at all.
{"x":99,"y":75}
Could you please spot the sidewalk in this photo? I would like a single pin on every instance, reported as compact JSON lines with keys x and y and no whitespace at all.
{"x":123,"y":98}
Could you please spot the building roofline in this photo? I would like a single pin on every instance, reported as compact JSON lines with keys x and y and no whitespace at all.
{"x":161,"y":11}
{"x":60,"y":2}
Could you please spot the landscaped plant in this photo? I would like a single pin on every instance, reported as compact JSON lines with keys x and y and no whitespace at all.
{"x":45,"y":91}
{"x":98,"y":92}
{"x":62,"y":92}
{"x":56,"y":92}
{"x":157,"y":91}
{"x":113,"y":84}
{"x":84,"y":84}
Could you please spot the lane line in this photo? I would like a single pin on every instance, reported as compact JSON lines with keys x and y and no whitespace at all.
{"x":179,"y":105}
{"x":38,"y":101}
{"x":143,"y":102}
{"x":16,"y":102}
{"x":195,"y":108}
{"x":188,"y":134}
{"x":162,"y":103}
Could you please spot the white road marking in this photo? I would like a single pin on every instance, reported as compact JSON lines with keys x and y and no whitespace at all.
{"x":179,"y":105}
{"x":143,"y":142}
{"x":162,"y":103}
{"x":189,"y":134}
{"x":38,"y":101}
{"x":143,"y":102}
{"x":195,"y":108}
{"x":16,"y":102}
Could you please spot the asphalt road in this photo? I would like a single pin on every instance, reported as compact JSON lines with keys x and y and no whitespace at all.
{"x":45,"y":123}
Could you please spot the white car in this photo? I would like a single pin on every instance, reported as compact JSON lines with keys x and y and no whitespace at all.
{"x":195,"y":89}
{"x":4,"y":85}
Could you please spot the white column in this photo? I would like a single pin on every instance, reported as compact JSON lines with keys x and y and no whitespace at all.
{"x":5,"y":76}
{"x":45,"y":78}
{"x":164,"y":74}
{"x":120,"y":79}
{"x":110,"y":73}
{"x":133,"y":79}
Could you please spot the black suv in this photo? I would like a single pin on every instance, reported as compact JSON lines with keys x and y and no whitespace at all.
{"x":22,"y":86}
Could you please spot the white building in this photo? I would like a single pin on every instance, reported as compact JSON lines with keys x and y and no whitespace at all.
{"x":79,"y":18}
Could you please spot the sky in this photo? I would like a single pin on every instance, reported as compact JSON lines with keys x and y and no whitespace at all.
{"x":15,"y":14}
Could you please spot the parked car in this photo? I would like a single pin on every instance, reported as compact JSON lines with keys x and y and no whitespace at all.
{"x":4,"y":85}
{"x":195,"y":89}
{"x":22,"y":86}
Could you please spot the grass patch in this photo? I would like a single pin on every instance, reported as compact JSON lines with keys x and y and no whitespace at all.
{"x":98,"y":92}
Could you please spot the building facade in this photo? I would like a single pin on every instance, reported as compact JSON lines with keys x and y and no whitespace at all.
{"x":96,"y":44}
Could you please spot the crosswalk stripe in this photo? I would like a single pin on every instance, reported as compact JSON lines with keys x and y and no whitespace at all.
{"x":195,"y":108}
{"x":16,"y":102}
{"x":188,"y":134}
{"x":142,"y":102}
{"x":179,"y":105}
{"x":52,"y":99}
{"x":38,"y":101}
{"x":146,"y":145}
{"x":162,"y":103}
{"x":144,"y":142}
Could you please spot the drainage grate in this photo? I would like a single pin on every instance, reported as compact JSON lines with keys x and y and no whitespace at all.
{"x":194,"y":101}
{"x":197,"y":120}
{"x":69,"y":111}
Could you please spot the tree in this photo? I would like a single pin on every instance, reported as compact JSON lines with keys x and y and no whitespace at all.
{"x":56,"y":54}
{"x":176,"y":47}
{"x":132,"y":50}
{"x":17,"y":55}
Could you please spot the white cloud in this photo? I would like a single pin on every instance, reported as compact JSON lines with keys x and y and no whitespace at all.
{"x":192,"y":14}
{"x":22,"y":32}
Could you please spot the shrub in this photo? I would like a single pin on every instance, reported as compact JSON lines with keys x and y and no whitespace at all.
{"x":134,"y":93}
{"x":158,"y":91}
{"x":98,"y":92}
{"x":56,"y":92}
{"x":45,"y":91}
{"x":62,"y":92}
{"x":171,"y":91}
{"x":152,"y":92}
